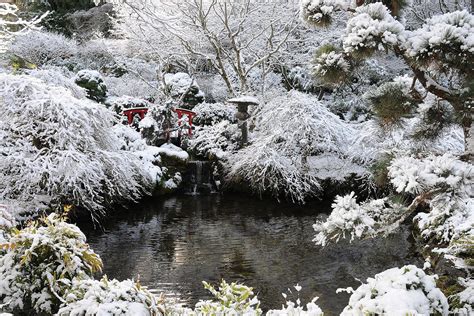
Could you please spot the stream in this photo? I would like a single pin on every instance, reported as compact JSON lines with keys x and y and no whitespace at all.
{"x":173,"y":243}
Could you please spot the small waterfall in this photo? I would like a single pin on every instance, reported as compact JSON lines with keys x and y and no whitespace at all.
{"x":198,"y":178}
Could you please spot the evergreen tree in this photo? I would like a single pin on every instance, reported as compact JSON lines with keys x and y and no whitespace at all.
{"x":440,"y":55}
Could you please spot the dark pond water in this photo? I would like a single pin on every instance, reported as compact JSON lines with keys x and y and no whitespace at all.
{"x":174,"y":243}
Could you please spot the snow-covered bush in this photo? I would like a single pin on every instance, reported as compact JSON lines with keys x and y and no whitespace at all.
{"x":300,"y":79}
{"x":58,"y":76}
{"x":60,"y":147}
{"x":40,"y":262}
{"x":289,"y":130}
{"x":128,"y":139}
{"x":42,"y":48}
{"x":7,"y":222}
{"x":398,"y":291}
{"x":215,"y":141}
{"x":158,"y":122}
{"x":444,"y":183}
{"x":318,"y":12}
{"x":92,"y":81}
{"x":448,"y":184}
{"x":372,"y":28}
{"x":12,"y":24}
{"x":297,"y":309}
{"x":351,"y":218}
{"x":231,"y":298}
{"x":444,"y":41}
{"x":180,"y":84}
{"x":213,"y":113}
{"x":391,"y":101}
{"x":109,"y":297}
{"x":330,"y":65}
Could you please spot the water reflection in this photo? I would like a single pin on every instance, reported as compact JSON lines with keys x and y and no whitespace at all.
{"x":175,"y":243}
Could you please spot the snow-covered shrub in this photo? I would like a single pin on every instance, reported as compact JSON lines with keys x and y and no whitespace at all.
{"x":158,"y":122}
{"x":213,"y":113}
{"x":229,"y":299}
{"x":297,"y":309}
{"x":128,"y":139}
{"x":444,"y":183}
{"x":372,"y":28}
{"x":391,"y":101}
{"x":59,"y":76}
{"x":42,"y":48}
{"x":181,"y":83}
{"x":318,"y":12}
{"x":290,"y":129}
{"x":57,"y":146}
{"x":398,"y":291}
{"x":448,"y":184}
{"x":330,"y":65}
{"x":109,"y":297}
{"x":7,"y":222}
{"x":40,"y":262}
{"x":464,"y":299}
{"x":351,"y":218}
{"x":445,"y":40}
{"x":93,"y":82}
{"x":215,"y":141}
{"x":12,"y":24}
{"x":300,"y":79}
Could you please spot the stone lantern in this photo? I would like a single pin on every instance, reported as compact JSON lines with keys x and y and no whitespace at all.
{"x":242,"y":114}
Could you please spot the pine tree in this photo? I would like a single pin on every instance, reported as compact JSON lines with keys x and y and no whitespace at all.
{"x":440,"y":55}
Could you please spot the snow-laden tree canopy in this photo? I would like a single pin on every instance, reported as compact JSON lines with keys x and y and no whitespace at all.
{"x":291,"y":129}
{"x":61,"y":149}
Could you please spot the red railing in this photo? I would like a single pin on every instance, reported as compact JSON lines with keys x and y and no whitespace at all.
{"x":141,"y":112}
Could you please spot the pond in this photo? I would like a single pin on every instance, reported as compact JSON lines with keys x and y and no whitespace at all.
{"x":174,"y":243}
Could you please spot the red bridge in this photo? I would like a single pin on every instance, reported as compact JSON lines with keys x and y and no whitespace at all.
{"x":141,"y":112}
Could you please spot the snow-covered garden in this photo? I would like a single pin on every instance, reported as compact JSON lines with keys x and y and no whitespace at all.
{"x":365,"y":104}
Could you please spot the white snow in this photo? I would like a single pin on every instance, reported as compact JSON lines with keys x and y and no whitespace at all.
{"x":244,"y":99}
{"x":398,"y":291}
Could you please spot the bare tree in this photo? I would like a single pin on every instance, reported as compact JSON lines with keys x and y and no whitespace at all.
{"x":233,"y":37}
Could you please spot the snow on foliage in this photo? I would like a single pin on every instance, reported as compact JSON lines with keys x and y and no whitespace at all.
{"x":213,"y":113}
{"x":149,"y":156}
{"x":447,"y":38}
{"x":444,"y":183}
{"x":59,"y":76}
{"x":215,"y":141}
{"x":413,"y":175}
{"x":231,"y":298}
{"x":11,"y":24}
{"x":179,"y":83}
{"x":398,"y":291}
{"x":319,"y":12}
{"x":465,"y":298}
{"x":7,"y":222}
{"x":55,"y":145}
{"x":331,"y":66}
{"x":296,"y":308}
{"x":291,"y":128}
{"x":39,"y":263}
{"x":109,"y":297}
{"x":372,"y":28}
{"x":451,"y":183}
{"x":42,"y":48}
{"x":349,"y":217}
